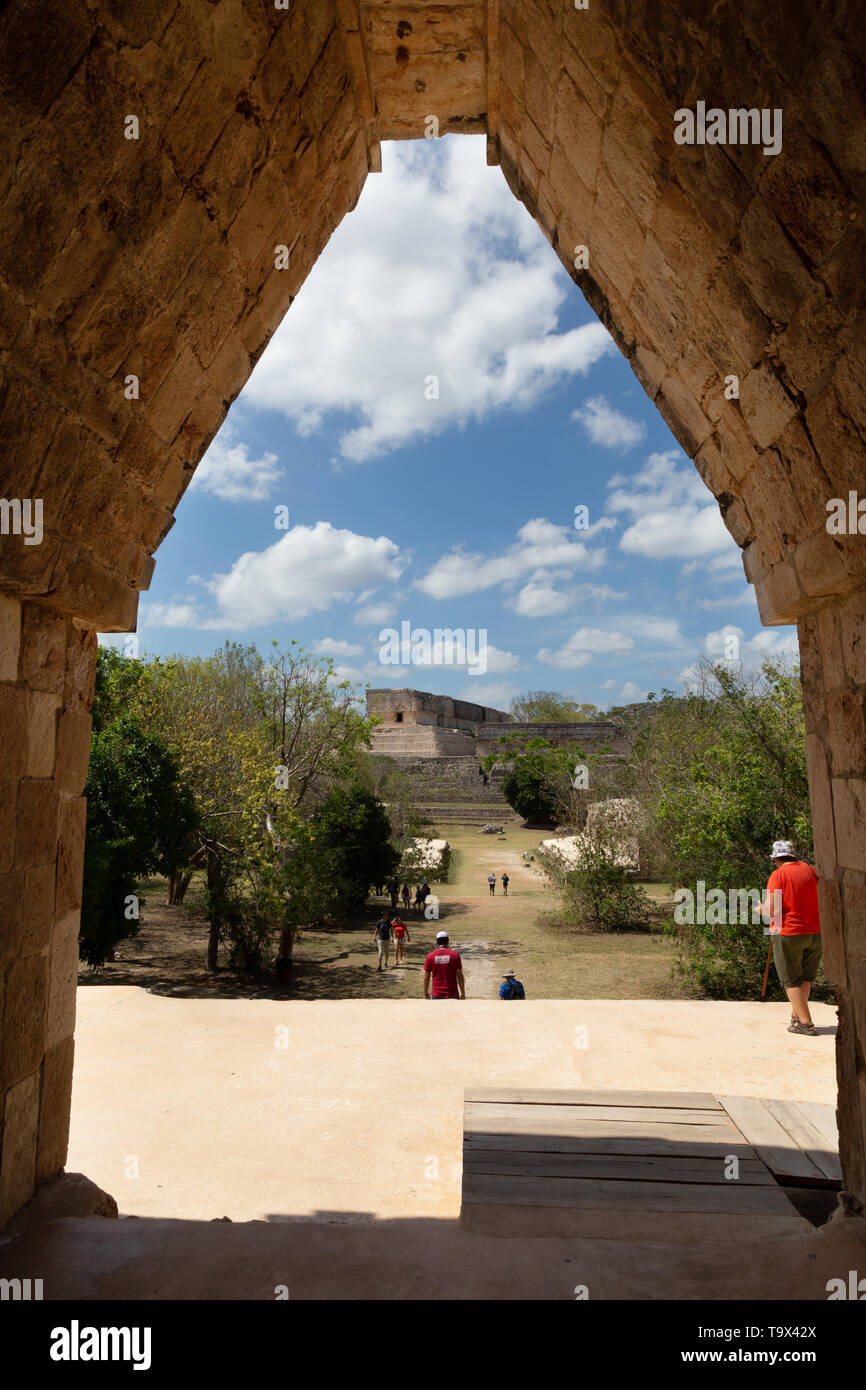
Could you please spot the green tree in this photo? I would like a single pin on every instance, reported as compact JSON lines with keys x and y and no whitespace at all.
{"x":343,"y":848}
{"x":550,"y":707}
{"x":141,"y":819}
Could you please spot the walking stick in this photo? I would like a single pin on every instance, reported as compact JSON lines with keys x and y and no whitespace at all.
{"x":767,"y":971}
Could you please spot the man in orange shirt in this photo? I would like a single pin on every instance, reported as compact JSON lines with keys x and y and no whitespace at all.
{"x":796,"y":930}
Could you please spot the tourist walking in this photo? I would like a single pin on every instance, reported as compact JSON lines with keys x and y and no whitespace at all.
{"x":419,"y":898}
{"x":401,"y":935}
{"x":407,"y":897}
{"x":491,"y":879}
{"x":443,"y":971}
{"x":382,"y":938}
{"x":511,"y":987}
{"x":393,"y":886}
{"x":505,"y":882}
{"x":795,"y":930}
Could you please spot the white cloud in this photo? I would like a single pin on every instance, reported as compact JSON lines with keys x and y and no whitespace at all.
{"x":584,"y":645}
{"x":607,"y":426}
{"x":494,"y":694}
{"x":675,"y":518}
{"x":540,"y":600}
{"x":438,"y":272}
{"x":375,"y":614}
{"x":631,"y":693}
{"x":744,"y":597}
{"x":539,"y":543}
{"x":227,"y":471}
{"x":331,"y":646}
{"x":172,"y":613}
{"x":306,"y":571}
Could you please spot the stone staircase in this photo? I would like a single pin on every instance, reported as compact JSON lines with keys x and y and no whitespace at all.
{"x":454,"y":789}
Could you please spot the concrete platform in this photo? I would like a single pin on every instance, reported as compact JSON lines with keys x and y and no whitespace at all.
{"x":330,"y":1135}
{"x":200,"y":1108}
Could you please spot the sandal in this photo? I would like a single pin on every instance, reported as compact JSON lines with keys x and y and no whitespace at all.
{"x":808,"y":1029}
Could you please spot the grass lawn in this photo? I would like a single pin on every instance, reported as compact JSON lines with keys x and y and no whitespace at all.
{"x":493,"y":934}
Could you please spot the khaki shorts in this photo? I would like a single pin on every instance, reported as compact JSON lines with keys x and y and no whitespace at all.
{"x":384,"y":947}
{"x":797,"y":957}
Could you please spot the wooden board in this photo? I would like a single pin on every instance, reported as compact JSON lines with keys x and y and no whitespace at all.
{"x":791,"y":1117}
{"x":571,"y":1119}
{"x":607,"y":1166}
{"x":770,"y":1140}
{"x":607,"y":1139}
{"x":823,"y":1117}
{"x":675,"y":1100}
{"x":732,"y":1199}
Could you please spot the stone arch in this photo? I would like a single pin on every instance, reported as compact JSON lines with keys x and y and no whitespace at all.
{"x":139,"y":287}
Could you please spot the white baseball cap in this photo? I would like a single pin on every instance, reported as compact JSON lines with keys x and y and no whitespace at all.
{"x":442,"y":936}
{"x":783,"y":849}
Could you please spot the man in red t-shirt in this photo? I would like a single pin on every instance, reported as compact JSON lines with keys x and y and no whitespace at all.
{"x":444,"y":968}
{"x":791,"y":906}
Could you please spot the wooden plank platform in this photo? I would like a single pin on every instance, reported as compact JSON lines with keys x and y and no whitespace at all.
{"x":784,"y":1134}
{"x":640,"y":1151}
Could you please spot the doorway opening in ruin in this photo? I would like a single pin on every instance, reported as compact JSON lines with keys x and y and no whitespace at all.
{"x":700,"y":275}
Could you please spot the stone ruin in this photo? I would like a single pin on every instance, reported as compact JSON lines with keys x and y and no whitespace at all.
{"x":139,"y":287}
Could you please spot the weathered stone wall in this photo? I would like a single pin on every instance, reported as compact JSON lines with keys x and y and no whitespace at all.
{"x":154,"y":259}
{"x":590,"y":736}
{"x":420,"y":706}
{"x":46,"y":687}
{"x":833,"y":655}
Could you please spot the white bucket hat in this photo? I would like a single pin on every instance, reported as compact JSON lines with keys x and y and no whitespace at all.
{"x":783,"y":849}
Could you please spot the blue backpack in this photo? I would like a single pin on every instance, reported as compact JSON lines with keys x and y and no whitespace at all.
{"x":515,"y":988}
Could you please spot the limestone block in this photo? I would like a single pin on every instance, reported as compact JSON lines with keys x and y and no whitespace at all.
{"x":711,"y":466}
{"x":11,"y":891}
{"x":42,"y":711}
{"x":821,"y":796}
{"x":849,"y":801}
{"x":735,"y":443}
{"x":18,"y":1158}
{"x":802,"y":188}
{"x":10,"y":637}
{"x":37,"y":909}
{"x":768,"y":264}
{"x":778,"y":593}
{"x":73,"y":751}
{"x":24,"y":1018}
{"x":832,"y":931}
{"x":13,"y":730}
{"x":846,"y":732}
{"x":594,"y":41}
{"x":510,"y":59}
{"x":617,"y":236}
{"x":777,"y":519}
{"x":60,"y":1016}
{"x":812,"y":340}
{"x":810,"y":483}
{"x":43,"y":649}
{"x":70,"y":854}
{"x":24,"y":415}
{"x":54,"y":1108}
{"x":852,"y":620}
{"x":165,"y":261}
{"x":173,"y":401}
{"x":80,"y":675}
{"x":269,"y":217}
{"x":840,"y":447}
{"x":8,"y":810}
{"x":686,"y":239}
{"x":682,"y":413}
{"x":767,"y":408}
{"x":540,"y":95}
{"x":820,"y":565}
{"x":36,"y":826}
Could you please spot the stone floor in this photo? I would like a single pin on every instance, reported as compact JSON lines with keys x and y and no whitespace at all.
{"x":329,"y":1133}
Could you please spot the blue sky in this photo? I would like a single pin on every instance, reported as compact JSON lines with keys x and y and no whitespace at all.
{"x":450,"y":503}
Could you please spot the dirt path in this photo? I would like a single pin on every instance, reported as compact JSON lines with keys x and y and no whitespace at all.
{"x":493,"y":934}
